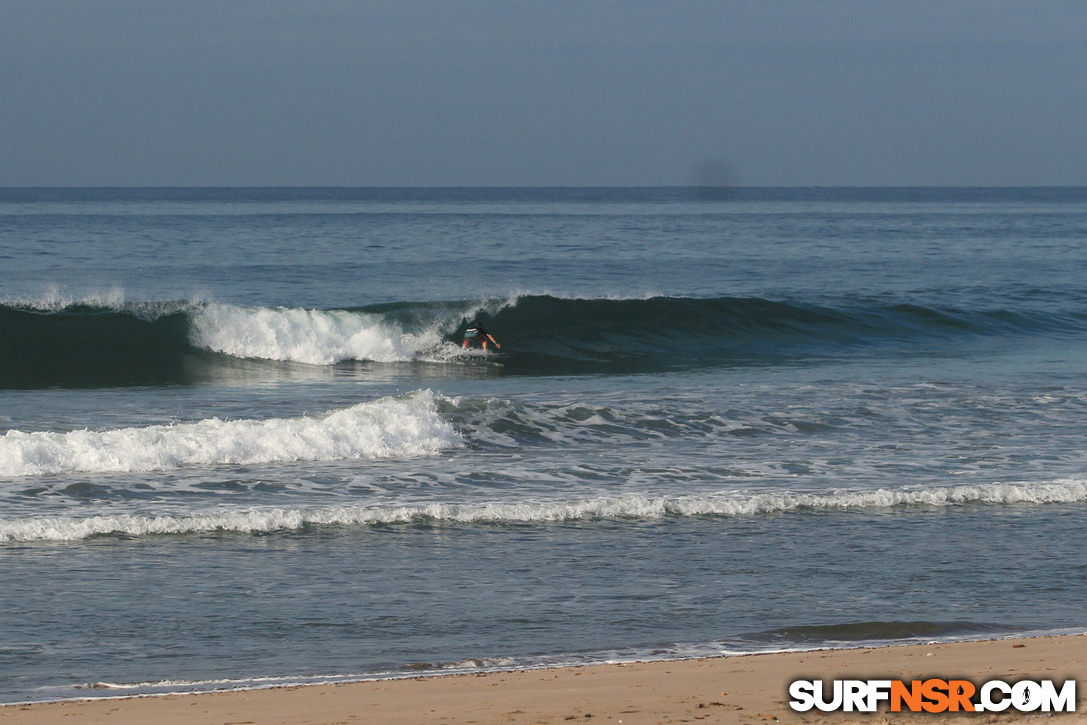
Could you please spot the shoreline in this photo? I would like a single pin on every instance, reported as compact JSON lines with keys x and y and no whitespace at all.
{"x":178,"y":687}
{"x":748,"y":688}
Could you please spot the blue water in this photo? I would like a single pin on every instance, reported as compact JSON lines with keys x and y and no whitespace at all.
{"x":242,"y":444}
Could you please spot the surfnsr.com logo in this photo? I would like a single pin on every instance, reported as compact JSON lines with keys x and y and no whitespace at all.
{"x":933,"y":695}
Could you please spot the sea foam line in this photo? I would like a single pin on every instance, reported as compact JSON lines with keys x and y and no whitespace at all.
{"x":270,"y":681}
{"x":387,"y":428}
{"x":600,"y":508}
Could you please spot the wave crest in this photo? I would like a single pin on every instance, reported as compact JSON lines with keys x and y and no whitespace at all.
{"x":316,"y":337}
{"x":55,"y":342}
{"x":386,"y":428}
{"x":632,"y":507}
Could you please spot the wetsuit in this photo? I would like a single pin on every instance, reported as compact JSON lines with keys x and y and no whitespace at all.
{"x":475,"y":332}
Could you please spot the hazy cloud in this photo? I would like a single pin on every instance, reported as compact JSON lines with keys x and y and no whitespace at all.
{"x":526,"y":92}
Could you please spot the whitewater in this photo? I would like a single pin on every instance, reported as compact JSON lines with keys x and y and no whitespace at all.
{"x":241,"y":442}
{"x":375,"y":430}
{"x":496,"y":512}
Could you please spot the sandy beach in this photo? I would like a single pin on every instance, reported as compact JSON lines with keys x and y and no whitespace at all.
{"x":742,"y":689}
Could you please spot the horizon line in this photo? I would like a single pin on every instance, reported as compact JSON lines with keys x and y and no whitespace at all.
{"x":546,"y":186}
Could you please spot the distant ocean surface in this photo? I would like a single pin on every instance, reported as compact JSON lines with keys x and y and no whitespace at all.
{"x":241,"y":446}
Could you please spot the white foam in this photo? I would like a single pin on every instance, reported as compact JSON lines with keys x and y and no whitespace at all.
{"x":386,"y":428}
{"x":1063,"y":491}
{"x":317,"y":337}
{"x":52,"y":299}
{"x":620,"y":507}
{"x":326,"y":337}
{"x":168,"y":686}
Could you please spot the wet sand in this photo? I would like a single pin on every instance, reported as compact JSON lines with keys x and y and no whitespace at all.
{"x":745,"y":689}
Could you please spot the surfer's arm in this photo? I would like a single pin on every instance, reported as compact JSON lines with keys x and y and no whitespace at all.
{"x":491,"y":338}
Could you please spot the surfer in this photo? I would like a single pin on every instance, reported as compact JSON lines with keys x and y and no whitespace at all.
{"x":476,"y":332}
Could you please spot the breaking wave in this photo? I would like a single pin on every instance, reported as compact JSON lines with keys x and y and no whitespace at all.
{"x":631,"y":507}
{"x":99,"y":342}
{"x":315,"y":337}
{"x":386,"y":428}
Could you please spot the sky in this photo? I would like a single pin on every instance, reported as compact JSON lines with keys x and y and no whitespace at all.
{"x":543,"y":92}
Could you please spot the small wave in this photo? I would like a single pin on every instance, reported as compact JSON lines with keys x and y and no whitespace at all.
{"x":633,"y":507}
{"x":386,"y":428}
{"x":411,"y":669}
{"x":877,"y":632}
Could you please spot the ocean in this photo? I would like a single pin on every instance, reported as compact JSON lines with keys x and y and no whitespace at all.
{"x":242,"y":445}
